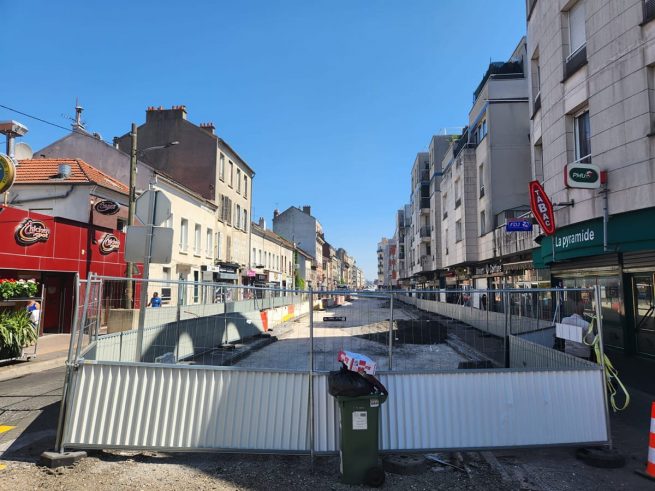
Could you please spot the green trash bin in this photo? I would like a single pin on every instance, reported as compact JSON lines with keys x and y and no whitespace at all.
{"x":360,"y":423}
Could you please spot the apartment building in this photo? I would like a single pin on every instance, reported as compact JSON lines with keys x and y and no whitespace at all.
{"x":331,"y":266}
{"x":592,"y":100}
{"x":195,"y":239}
{"x":208,"y":165}
{"x":305,"y":231}
{"x":459,"y":219}
{"x":272,"y":258}
{"x":437,"y":149}
{"x":401,"y":235}
{"x":420,"y":249}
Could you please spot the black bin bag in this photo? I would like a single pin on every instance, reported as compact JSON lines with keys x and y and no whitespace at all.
{"x":350,"y":384}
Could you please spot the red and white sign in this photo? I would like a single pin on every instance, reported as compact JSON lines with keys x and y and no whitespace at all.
{"x":109,"y":244}
{"x":31,"y":231}
{"x":542,"y":208}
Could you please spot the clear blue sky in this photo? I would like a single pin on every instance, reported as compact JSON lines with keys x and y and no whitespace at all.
{"x":329,"y":101}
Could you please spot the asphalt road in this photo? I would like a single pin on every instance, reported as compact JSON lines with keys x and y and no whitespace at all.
{"x":29,"y":409}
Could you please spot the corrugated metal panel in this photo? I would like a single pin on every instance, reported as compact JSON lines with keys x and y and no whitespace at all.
{"x":482,"y":409}
{"x":526,"y":354}
{"x":187,"y":408}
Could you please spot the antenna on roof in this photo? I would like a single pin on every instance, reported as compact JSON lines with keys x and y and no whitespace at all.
{"x":78,"y":124}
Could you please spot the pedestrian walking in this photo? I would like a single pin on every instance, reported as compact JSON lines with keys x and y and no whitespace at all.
{"x":155,"y":301}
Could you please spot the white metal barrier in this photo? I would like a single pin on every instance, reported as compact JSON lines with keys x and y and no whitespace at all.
{"x":215,"y":408}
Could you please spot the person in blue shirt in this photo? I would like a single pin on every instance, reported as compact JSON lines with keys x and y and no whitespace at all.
{"x":155,"y":301}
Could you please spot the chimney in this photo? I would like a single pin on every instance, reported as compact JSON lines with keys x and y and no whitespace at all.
{"x":276,"y":212}
{"x":12,"y":129}
{"x":159,"y":113}
{"x":307,"y":209}
{"x":262,"y":223}
{"x":208,"y":127}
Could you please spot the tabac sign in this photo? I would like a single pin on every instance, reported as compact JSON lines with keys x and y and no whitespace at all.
{"x":586,"y":176}
{"x":542,"y":208}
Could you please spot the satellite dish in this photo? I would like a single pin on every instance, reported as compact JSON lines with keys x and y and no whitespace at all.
{"x":22,"y":151}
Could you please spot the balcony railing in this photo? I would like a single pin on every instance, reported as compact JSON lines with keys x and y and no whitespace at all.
{"x":500,"y":69}
{"x":425,"y":203}
{"x":425,"y":231}
{"x":425,"y":261}
{"x":425,"y":175}
{"x":649,"y":10}
{"x":575,"y":61}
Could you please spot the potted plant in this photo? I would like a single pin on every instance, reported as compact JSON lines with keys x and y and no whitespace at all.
{"x":10,"y":288}
{"x":16,"y":332}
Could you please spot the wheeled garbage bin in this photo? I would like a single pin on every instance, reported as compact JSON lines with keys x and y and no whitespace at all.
{"x":359,"y":429}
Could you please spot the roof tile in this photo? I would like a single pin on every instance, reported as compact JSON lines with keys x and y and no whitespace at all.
{"x":46,"y":171}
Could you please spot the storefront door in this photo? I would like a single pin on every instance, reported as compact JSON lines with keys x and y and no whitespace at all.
{"x":644,"y":302}
{"x":58,"y":302}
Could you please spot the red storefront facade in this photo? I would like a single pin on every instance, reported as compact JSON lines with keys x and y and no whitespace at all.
{"x":52,"y":250}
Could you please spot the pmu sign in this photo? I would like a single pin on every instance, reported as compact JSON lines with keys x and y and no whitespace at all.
{"x":586,"y":176}
{"x":542,"y":208}
{"x":515,"y":225}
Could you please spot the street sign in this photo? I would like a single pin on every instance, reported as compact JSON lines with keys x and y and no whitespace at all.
{"x":585,"y":176}
{"x":162,"y":207}
{"x":162,"y":244}
{"x":7,"y":172}
{"x":518,"y":226}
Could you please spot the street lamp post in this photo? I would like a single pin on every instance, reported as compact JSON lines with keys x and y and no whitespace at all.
{"x":134,"y":154}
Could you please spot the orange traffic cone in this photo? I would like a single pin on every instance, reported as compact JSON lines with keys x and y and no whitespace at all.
{"x":650,"y":465}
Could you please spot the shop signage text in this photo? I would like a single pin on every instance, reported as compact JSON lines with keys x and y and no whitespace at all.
{"x":575,"y":239}
{"x":107,"y":207}
{"x":542,"y":208}
{"x":489,"y":269}
{"x":109,"y":244}
{"x":586,"y":176}
{"x":32,"y":231}
{"x":7,"y":172}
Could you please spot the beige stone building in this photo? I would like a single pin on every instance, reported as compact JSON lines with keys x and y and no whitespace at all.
{"x":592,"y":100}
{"x":272,"y":257}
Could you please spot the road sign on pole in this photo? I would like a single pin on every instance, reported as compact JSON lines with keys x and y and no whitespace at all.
{"x":162,"y":244}
{"x":162,"y":208}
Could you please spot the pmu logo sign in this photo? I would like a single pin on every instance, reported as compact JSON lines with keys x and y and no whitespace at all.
{"x":542,"y":208}
{"x":31,"y":231}
{"x":586,"y":176}
{"x":109,"y":244}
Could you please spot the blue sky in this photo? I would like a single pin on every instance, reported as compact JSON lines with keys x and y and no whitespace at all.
{"x":329,"y":101}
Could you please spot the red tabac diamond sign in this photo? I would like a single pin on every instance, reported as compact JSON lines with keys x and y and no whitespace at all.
{"x":542,"y":208}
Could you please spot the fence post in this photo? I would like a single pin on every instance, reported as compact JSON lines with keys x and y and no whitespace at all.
{"x":599,"y":324}
{"x":311,"y":376}
{"x":391,"y":331}
{"x":178,"y":316}
{"x":507,"y":327}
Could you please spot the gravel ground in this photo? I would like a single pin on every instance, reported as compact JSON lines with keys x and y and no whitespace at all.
{"x":148,"y":470}
{"x":363,"y":316}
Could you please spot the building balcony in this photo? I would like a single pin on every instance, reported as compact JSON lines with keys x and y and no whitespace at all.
{"x":425,"y":231}
{"x":425,"y":175}
{"x":425,"y":203}
{"x":500,"y":70}
{"x":425,"y":262}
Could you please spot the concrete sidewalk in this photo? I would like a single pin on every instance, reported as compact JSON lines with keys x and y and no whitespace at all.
{"x":51,"y":352}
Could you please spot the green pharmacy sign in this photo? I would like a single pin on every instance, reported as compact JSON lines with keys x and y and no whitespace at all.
{"x":586,"y":176}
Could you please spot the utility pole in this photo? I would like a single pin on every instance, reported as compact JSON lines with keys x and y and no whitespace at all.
{"x":129,"y":291}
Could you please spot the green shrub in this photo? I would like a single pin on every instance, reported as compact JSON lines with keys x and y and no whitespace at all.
{"x":16,"y":332}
